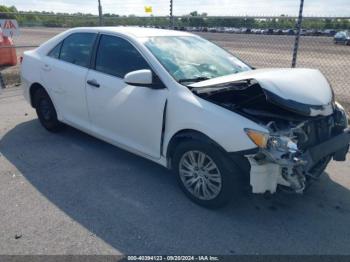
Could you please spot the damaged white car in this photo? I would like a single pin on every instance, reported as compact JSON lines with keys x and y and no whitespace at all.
{"x":185,"y":103}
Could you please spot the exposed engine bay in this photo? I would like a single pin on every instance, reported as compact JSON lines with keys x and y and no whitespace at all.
{"x":301,"y":141}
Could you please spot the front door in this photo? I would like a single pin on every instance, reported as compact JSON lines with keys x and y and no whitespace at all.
{"x":130,"y":116}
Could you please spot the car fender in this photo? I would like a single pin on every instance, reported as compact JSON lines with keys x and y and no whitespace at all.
{"x":226,"y":128}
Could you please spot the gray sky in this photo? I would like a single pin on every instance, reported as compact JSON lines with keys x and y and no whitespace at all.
{"x":212,"y":7}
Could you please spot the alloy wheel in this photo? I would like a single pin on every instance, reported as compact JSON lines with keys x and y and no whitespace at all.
{"x":200,"y":175}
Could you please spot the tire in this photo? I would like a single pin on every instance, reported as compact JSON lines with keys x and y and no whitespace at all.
{"x":222,"y":183}
{"x":46,"y":111}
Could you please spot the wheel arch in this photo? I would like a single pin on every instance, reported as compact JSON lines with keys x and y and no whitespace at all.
{"x":32,"y":90}
{"x":236,"y":159}
{"x":187,"y":134}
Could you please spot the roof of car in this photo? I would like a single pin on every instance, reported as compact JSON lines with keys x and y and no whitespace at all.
{"x":139,"y":31}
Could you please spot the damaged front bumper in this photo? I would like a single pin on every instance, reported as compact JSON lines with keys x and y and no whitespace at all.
{"x":269,"y":168}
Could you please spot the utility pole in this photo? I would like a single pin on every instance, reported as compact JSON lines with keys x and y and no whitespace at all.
{"x":171,"y":15}
{"x":100,"y":12}
{"x":297,"y":37}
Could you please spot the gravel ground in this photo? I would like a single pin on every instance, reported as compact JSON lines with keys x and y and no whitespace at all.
{"x":69,"y":193}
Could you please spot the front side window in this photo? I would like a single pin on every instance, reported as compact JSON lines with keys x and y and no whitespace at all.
{"x":117,"y":57}
{"x":77,"y":48}
{"x":193,"y":58}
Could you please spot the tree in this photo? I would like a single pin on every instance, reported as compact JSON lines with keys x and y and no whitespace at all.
{"x":194,"y":13}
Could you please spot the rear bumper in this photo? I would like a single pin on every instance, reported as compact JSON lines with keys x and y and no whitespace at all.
{"x":337,"y":146}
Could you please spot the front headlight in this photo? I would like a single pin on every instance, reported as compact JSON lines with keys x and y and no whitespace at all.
{"x":275,"y":142}
{"x":258,"y":137}
{"x":282,"y":143}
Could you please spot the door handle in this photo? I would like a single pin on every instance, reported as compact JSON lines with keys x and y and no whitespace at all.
{"x":93,"y":82}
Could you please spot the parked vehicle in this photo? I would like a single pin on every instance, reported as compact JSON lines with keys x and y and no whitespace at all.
{"x":228,"y":30}
{"x":268,"y":31}
{"x":303,"y":32}
{"x":245,"y":30}
{"x":288,"y":32}
{"x":277,"y":32}
{"x":185,"y":103}
{"x":329,"y":32}
{"x":236,"y":30}
{"x":342,"y":37}
{"x":310,"y":32}
{"x":316,"y":32}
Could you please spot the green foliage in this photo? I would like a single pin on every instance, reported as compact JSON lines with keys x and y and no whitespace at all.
{"x":51,"y":19}
{"x":5,"y":9}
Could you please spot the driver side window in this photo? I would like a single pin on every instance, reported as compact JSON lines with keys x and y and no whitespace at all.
{"x":117,"y":57}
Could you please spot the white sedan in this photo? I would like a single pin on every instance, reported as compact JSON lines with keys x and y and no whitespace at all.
{"x":187,"y":104}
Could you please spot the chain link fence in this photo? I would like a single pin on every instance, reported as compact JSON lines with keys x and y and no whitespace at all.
{"x":262,"y":42}
{"x":266,"y":51}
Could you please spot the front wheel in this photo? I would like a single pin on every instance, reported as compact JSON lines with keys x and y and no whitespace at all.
{"x":204,"y":173}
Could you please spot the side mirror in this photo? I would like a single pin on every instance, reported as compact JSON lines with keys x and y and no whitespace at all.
{"x":139,"y":78}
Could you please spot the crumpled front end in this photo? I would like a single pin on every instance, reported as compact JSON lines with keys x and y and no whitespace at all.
{"x":293,"y":157}
{"x":306,"y":127}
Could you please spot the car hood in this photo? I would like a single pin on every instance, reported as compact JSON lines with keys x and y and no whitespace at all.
{"x":305,"y":91}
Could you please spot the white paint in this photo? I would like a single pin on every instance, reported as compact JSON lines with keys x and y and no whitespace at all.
{"x":307,"y":86}
{"x":264,"y":177}
{"x":131,"y":116}
{"x":139,"y":77}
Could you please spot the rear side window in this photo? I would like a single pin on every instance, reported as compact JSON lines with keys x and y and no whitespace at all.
{"x":118,"y":57}
{"x":55,"y":52}
{"x":77,"y":48}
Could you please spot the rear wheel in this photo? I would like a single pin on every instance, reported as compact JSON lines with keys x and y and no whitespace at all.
{"x":204,"y":173}
{"x":46,"y":111}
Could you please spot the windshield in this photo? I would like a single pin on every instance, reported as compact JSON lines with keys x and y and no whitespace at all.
{"x":193,"y":59}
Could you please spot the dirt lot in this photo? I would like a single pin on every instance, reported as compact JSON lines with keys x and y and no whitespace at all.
{"x":258,"y":50}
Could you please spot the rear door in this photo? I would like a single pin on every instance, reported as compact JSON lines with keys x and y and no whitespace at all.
{"x":130,"y":116}
{"x":64,"y":73}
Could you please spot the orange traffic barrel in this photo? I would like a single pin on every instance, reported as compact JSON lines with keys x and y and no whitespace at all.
{"x":8,"y":54}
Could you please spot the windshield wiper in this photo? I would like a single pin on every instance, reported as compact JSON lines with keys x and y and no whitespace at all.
{"x":193,"y":80}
